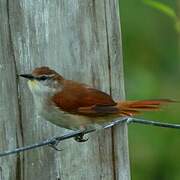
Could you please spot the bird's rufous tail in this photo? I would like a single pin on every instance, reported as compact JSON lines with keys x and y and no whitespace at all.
{"x":131,"y":108}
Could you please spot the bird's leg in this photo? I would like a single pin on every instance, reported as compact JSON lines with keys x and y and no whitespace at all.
{"x":80,"y":137}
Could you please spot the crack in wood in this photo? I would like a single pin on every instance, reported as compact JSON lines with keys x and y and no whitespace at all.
{"x":18,"y":162}
{"x":110,"y":87}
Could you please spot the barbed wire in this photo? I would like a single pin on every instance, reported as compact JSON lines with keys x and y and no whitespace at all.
{"x":54,"y":141}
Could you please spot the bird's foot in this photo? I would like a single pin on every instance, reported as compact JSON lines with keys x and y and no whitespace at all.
{"x":80,"y":138}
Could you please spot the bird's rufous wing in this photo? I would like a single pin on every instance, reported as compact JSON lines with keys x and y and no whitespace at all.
{"x":81,"y":99}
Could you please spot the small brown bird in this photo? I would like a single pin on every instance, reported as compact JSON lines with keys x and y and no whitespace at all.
{"x":74,"y":105}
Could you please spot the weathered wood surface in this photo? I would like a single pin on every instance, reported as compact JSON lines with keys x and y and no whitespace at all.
{"x":81,"y":40}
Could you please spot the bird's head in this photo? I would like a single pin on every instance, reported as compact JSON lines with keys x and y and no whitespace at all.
{"x":44,"y":80}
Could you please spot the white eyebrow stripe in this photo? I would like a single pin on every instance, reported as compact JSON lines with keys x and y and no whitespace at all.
{"x":46,"y":75}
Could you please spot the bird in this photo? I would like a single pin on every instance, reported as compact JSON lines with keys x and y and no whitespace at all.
{"x":76,"y":106}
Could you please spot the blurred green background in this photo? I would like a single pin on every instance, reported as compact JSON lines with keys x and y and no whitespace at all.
{"x":151,"y":51}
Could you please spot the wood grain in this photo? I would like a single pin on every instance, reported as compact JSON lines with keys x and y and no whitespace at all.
{"x":10,"y":135}
{"x":80,"y":40}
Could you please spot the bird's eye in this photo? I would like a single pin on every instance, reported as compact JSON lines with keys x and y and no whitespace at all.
{"x":43,"y":78}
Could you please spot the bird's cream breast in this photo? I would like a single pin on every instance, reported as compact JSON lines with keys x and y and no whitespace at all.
{"x":63,"y":119}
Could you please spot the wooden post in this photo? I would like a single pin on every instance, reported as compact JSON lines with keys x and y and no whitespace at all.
{"x":81,"y":40}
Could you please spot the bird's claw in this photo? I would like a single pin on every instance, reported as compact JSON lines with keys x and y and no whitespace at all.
{"x":80,"y":138}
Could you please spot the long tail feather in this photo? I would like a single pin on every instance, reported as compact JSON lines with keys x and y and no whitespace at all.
{"x":130,"y":108}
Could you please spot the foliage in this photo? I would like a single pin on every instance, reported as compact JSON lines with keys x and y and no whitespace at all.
{"x":165,"y":9}
{"x":152,"y":70}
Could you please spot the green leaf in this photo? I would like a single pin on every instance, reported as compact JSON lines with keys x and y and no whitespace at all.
{"x":162,"y":8}
{"x":177,"y":26}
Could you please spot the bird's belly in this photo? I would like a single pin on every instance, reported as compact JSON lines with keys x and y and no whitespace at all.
{"x":64,"y":119}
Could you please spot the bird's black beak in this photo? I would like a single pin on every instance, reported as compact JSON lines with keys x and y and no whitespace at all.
{"x":27,"y":76}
